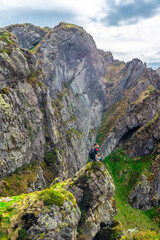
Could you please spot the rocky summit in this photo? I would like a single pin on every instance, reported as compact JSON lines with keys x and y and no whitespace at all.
{"x":58,"y":95}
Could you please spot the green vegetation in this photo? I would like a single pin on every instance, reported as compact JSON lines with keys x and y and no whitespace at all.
{"x":35,"y":48}
{"x":23,"y":235}
{"x":14,"y":209}
{"x":29,"y":126}
{"x":66,"y":26}
{"x":50,"y":158}
{"x":142,"y":235}
{"x":125,"y":172}
{"x":112,"y":71}
{"x":6,"y":37}
{"x":19,"y":182}
{"x":70,"y":132}
{"x":50,"y":166}
{"x":56,"y":195}
{"x":111,"y":233}
{"x":33,"y":79}
{"x":57,"y":102}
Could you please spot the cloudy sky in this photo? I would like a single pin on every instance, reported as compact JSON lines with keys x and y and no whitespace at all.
{"x":128,"y":28}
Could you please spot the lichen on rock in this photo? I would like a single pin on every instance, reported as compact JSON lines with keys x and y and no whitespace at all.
{"x":62,"y":210}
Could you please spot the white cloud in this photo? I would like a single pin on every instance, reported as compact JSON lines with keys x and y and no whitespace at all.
{"x":141,"y":40}
{"x":88,"y":8}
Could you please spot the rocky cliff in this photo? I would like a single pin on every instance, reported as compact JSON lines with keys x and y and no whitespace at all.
{"x":21,"y":124}
{"x":51,"y":101}
{"x":55,"y":213}
{"x":73,"y":74}
{"x":131,"y":122}
{"x":57,"y":93}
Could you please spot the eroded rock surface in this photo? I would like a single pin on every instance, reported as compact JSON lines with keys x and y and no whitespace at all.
{"x":132,"y":114}
{"x":93,"y":189}
{"x":28,"y":35}
{"x":74,"y":72}
{"x":55,"y":213}
{"x":52,"y":101}
{"x":146,"y":193}
{"x":21,"y":121}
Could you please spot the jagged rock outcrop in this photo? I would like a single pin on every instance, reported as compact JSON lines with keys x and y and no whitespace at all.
{"x":93,"y":189}
{"x":146,"y":193}
{"x":132,"y":114}
{"x":28,"y":35}
{"x":21,"y":121}
{"x":55,"y":213}
{"x":108,"y":57}
{"x":131,"y":121}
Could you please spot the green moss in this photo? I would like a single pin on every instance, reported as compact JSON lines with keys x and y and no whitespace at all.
{"x":66,"y":26}
{"x":95,"y":166}
{"x":115,"y":230}
{"x":73,"y":131}
{"x":33,"y":79}
{"x":50,"y":197}
{"x":154,"y":214}
{"x":6,"y":37}
{"x":18,"y":182}
{"x":56,"y":195}
{"x":49,"y":173}
{"x":151,"y":123}
{"x":83,"y":179}
{"x":5,"y":105}
{"x":50,"y":166}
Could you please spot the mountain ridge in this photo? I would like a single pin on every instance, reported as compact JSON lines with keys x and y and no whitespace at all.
{"x":58,"y":95}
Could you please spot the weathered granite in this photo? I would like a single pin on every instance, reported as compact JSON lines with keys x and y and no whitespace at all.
{"x":28,"y":35}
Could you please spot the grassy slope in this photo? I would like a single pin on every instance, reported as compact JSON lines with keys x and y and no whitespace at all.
{"x":125,"y":172}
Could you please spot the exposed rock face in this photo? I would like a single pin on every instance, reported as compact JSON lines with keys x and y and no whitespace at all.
{"x":133,"y":110}
{"x":58,"y":223}
{"x":146,"y":193}
{"x":27,"y":34}
{"x":39,"y":183}
{"x":21,"y":121}
{"x":140,"y":197}
{"x":93,"y":189}
{"x":108,"y":57}
{"x":74,"y":72}
{"x":158,"y":71}
{"x":54,"y":214}
{"x":64,"y":115}
{"x":71,"y":108}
